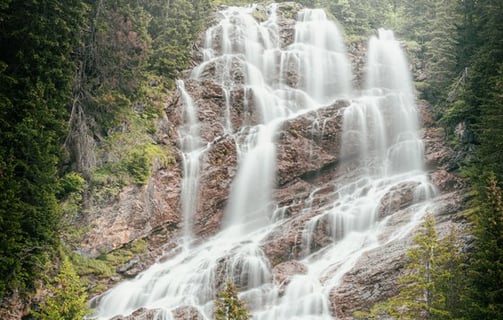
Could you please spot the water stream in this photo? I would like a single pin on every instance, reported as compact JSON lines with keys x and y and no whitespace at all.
{"x":380,"y":127}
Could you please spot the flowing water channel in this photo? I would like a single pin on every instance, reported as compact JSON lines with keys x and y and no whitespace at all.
{"x":381,"y":124}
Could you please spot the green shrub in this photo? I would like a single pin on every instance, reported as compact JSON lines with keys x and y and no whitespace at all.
{"x":67,"y":298}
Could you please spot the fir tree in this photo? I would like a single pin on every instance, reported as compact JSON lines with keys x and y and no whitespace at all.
{"x":433,"y":284}
{"x":486,"y":267}
{"x":67,"y":296}
{"x":228,"y":306}
{"x":36,"y":74}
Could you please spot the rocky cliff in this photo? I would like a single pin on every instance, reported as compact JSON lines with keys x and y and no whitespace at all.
{"x":308,"y":162}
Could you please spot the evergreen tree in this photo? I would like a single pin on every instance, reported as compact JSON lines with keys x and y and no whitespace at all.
{"x":450,"y":277}
{"x":36,"y":73}
{"x":433,"y":285}
{"x":418,"y":296}
{"x":67,"y":297}
{"x":480,"y":106}
{"x":228,"y":306}
{"x":486,"y":266}
{"x":174,"y":30}
{"x":440,"y":48}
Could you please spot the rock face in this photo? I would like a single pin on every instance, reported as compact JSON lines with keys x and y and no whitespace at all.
{"x":308,"y":169}
{"x":135,"y":214}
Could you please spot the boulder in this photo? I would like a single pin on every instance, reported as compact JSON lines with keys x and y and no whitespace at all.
{"x":397,"y":198}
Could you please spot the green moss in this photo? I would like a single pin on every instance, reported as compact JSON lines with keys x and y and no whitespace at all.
{"x":422,"y":85}
{"x":413,"y":46}
{"x":105,"y":266}
{"x":97,"y":289}
{"x":120,"y":256}
{"x":289,"y":10}
{"x":89,"y":266}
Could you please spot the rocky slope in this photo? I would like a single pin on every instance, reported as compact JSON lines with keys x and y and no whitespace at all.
{"x":308,"y":159}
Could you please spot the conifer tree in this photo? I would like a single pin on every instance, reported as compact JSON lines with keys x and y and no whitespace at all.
{"x":36,"y":74}
{"x":67,"y":296}
{"x":433,"y":283}
{"x":228,"y":306}
{"x":450,"y":278}
{"x":486,"y":267}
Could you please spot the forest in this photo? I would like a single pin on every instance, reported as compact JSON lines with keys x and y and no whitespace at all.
{"x":83,"y":82}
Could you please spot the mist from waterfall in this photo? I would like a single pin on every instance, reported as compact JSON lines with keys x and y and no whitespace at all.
{"x":380,"y":141}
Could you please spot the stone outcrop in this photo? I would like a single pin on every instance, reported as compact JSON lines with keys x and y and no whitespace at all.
{"x":182,"y":313}
{"x":134,"y":214}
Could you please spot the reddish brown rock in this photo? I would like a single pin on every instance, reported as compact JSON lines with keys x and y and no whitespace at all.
{"x":219,"y":167}
{"x":373,"y":279}
{"x":446,"y":181}
{"x":397,"y":198}
{"x":140,"y":314}
{"x":284,"y":271}
{"x":437,"y":153}
{"x":187,"y":313}
{"x":309,"y":143}
{"x":136,"y":212}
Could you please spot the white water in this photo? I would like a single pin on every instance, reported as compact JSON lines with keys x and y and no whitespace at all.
{"x":192,"y":151}
{"x":381,"y":126}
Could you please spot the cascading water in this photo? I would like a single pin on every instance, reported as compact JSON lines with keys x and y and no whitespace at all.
{"x":192,"y":150}
{"x":380,"y":139}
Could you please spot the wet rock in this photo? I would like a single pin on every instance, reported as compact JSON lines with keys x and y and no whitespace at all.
{"x":132,"y":268}
{"x":285,"y":242}
{"x":140,"y":314}
{"x":374,"y":277}
{"x":437,"y":153}
{"x":287,"y":15}
{"x":397,"y":198}
{"x":371,"y":280}
{"x":217,"y":70}
{"x":446,"y":181}
{"x":187,"y":313}
{"x":309,"y":143}
{"x":357,"y":51}
{"x":219,"y":168}
{"x":425,"y":114}
{"x":284,"y":271}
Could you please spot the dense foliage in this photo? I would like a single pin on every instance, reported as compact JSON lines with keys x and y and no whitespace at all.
{"x":36,"y":74}
{"x":485,"y":275}
{"x":70,"y":73}
{"x":81,"y":81}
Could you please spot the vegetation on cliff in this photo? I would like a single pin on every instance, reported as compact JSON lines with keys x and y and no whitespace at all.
{"x":82,"y":84}
{"x":36,"y":78}
{"x":433,"y":286}
{"x":81,"y":90}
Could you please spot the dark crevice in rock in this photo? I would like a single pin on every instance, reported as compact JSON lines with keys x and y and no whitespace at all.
{"x":313,"y":175}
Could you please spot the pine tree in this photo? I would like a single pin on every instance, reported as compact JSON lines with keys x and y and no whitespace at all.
{"x":36,"y":73}
{"x":433,"y":283}
{"x":450,"y":277}
{"x":67,"y":296}
{"x":486,"y":267}
{"x":228,"y":306}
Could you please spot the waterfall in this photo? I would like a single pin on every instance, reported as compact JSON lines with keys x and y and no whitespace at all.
{"x":381,"y":151}
{"x":192,"y":151}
